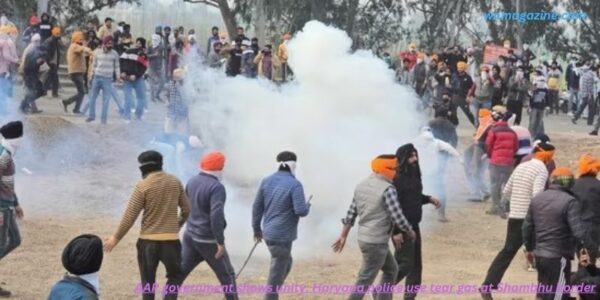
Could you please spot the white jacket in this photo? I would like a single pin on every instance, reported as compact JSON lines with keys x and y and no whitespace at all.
{"x":430,"y":149}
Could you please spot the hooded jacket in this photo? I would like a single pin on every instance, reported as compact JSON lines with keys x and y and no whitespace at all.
{"x":501,"y":144}
{"x":409,"y":186}
{"x":587,"y":190}
{"x":45,"y":27}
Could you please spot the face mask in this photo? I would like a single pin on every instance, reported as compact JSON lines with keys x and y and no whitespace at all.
{"x":483,"y":76}
{"x":525,"y":47}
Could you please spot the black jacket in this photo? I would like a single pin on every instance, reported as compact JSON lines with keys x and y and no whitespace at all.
{"x":134,"y":62}
{"x":587,"y":190}
{"x":461,"y":84}
{"x":409,"y":187}
{"x":45,"y":29}
{"x":53,"y":47}
{"x":553,"y":226}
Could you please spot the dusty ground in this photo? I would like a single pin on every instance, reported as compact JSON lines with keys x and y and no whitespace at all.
{"x":57,"y":209}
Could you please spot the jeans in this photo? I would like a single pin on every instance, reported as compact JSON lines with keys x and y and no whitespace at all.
{"x":10,"y":237}
{"x":79,"y":81}
{"x":573,"y":99}
{"x":498,"y":177}
{"x":104,"y":84}
{"x":515,"y":107}
{"x":474,"y":168}
{"x":140,"y":91}
{"x":587,"y":100}
{"x":536,"y":122}
{"x":149,"y":254}
{"x":33,"y":90}
{"x":281,"y":265}
{"x":476,"y":105}
{"x":157,"y":83}
{"x":554,"y":101}
{"x":375,"y":257}
{"x":410,"y":264}
{"x":553,"y":272}
{"x":5,"y":96}
{"x":461,"y":101}
{"x":193,"y":253}
{"x":52,"y":79}
{"x":512,"y":244}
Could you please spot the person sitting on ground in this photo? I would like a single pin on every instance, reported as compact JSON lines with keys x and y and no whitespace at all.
{"x":82,"y":258}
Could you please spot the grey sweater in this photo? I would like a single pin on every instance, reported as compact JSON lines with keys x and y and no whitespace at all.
{"x":207,"y":201}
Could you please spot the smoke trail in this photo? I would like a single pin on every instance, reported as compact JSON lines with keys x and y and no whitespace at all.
{"x":342,"y":110}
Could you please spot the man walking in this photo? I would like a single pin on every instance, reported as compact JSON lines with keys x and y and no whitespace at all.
{"x":501,"y":145}
{"x":376,"y":203}
{"x":134,"y":64}
{"x":203,"y":239}
{"x":53,"y":47}
{"x":159,"y":196}
{"x":587,"y":191}
{"x":105,"y":64}
{"x":551,"y":231}
{"x":76,"y":65}
{"x":279,"y":205}
{"x":10,"y":238}
{"x":407,"y":181}
{"x":528,"y":180}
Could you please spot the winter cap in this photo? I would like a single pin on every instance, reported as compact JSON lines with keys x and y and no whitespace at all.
{"x":562,"y":176}
{"x":150,"y":157}
{"x":76,"y":37}
{"x":385,"y":165}
{"x":107,"y":40}
{"x":461,"y":66}
{"x":286,"y":156}
{"x":83,"y":255}
{"x":56,"y":31}
{"x":213,"y":161}
{"x":12,"y":130}
{"x":588,"y":164}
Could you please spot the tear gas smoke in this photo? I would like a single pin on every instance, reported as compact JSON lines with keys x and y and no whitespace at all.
{"x":343,"y":109}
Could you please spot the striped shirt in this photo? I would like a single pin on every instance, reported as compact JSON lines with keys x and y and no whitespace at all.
{"x":105,"y":64}
{"x":392,"y":205}
{"x":158,"y":196}
{"x":526,"y":181}
{"x":279,"y":204}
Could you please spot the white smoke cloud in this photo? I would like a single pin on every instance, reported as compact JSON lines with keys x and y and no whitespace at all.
{"x":343,"y":109}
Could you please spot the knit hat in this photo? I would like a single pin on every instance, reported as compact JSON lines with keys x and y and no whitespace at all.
{"x":213,"y":161}
{"x":562,"y":176}
{"x":150,"y":157}
{"x":12,"y":130}
{"x":107,"y":39}
{"x":461,"y":66}
{"x":83,"y":255}
{"x":56,"y":31}
{"x":385,"y":165}
{"x":76,"y":37}
{"x":588,"y":164}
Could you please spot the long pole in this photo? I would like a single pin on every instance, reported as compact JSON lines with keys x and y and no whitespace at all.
{"x":247,"y":259}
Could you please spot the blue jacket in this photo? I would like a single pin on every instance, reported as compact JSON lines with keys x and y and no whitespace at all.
{"x":279,"y":204}
{"x":207,"y":201}
{"x":72,"y":288}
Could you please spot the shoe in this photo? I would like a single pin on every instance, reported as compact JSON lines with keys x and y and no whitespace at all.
{"x":494,"y":212}
{"x":503,"y":216}
{"x":5,"y":293}
{"x":594,"y":132}
{"x":574,"y":121}
{"x":476,"y":200}
{"x":65,"y":105}
{"x":443,"y":219}
{"x":90,"y":120}
{"x":485,"y":295}
{"x":76,"y":112}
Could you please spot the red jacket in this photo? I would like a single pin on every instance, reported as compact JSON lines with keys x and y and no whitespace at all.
{"x":501,"y":144}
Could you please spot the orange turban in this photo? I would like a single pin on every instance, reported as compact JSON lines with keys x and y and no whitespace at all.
{"x":561,"y":172}
{"x":385,"y":165}
{"x":588,"y":164}
{"x":544,"y":152}
{"x":213,"y":161}
{"x":461,"y":66}
{"x":484,"y":112}
{"x":76,"y":37}
{"x":56,"y":31}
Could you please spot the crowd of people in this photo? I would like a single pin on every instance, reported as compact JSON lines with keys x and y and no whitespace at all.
{"x":107,"y":59}
{"x":457,"y":78}
{"x":554,"y":215}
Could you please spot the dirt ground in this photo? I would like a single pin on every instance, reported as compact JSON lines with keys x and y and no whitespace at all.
{"x":57,"y":209}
